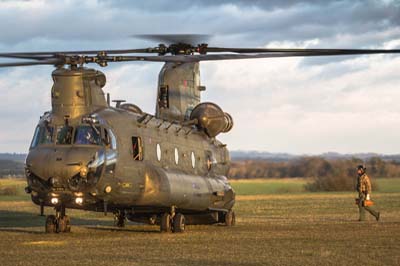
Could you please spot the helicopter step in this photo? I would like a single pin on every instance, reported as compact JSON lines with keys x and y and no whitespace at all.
{"x":59,"y":223}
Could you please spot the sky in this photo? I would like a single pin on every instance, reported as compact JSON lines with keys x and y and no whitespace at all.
{"x":294,"y":105}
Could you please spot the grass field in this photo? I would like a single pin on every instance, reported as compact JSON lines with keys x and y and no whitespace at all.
{"x":278,"y":223}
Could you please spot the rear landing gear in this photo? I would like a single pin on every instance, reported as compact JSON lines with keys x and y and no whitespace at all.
{"x":169,"y":223}
{"x":178,"y":223}
{"x":165,"y":223}
{"x":59,"y":223}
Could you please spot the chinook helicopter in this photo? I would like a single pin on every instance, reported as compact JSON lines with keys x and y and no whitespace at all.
{"x":165,"y":169}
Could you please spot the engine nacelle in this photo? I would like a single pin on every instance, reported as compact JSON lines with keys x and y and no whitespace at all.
{"x":211,"y":119}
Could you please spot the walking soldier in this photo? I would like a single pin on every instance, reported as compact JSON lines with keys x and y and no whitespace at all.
{"x":364,"y":191}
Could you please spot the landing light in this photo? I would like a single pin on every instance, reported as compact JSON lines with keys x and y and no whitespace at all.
{"x":79,"y":200}
{"x":54,"y":201}
{"x":107,"y":189}
{"x":84,"y":171}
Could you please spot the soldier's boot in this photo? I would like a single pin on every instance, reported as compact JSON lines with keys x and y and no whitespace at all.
{"x":373,"y":212}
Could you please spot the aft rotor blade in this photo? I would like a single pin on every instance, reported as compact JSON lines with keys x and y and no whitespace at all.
{"x":215,"y":57}
{"x":33,"y":63}
{"x":299,"y":50}
{"x":193,"y":39}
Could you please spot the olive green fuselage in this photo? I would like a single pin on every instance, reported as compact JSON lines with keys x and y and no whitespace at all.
{"x":138,"y":163}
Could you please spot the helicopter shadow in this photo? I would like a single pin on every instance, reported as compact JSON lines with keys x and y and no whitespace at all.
{"x":27,"y":222}
{"x":127,"y":230}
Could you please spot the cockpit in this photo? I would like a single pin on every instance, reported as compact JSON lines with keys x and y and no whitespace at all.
{"x":78,"y":156}
{"x":84,"y":134}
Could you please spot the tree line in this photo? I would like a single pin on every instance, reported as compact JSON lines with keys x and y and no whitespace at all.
{"x":326,"y":175}
{"x":11,"y":168}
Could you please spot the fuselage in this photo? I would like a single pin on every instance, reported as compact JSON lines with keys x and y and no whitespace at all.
{"x":88,"y":155}
{"x":133,"y":161}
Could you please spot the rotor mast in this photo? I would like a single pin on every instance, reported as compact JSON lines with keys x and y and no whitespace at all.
{"x":178,"y":91}
{"x":77,"y":91}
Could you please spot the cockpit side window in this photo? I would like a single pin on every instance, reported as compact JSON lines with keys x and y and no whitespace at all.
{"x":43,"y":135}
{"x":110,"y":138}
{"x":64,"y":135}
{"x":87,"y":135}
{"x":35,"y":140}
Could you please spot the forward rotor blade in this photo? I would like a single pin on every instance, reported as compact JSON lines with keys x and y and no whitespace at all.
{"x":33,"y":57}
{"x":54,"y":61}
{"x":119,"y":51}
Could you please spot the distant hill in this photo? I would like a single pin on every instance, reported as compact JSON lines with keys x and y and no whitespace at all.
{"x":11,"y":168}
{"x":17,"y":157}
{"x":283,"y":157}
{"x":257,"y":155}
{"x":12,"y":164}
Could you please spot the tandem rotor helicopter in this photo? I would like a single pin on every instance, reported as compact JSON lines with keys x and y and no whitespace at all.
{"x":166,"y":169}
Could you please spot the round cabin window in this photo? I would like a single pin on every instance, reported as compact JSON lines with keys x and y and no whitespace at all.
{"x":158,"y":152}
{"x":193,"y":160}
{"x":176,"y":156}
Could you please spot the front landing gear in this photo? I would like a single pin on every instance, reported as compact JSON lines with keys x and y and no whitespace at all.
{"x":59,"y":223}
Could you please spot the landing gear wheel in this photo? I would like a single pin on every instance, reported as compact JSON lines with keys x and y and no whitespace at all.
{"x":165,"y":223}
{"x":59,"y":223}
{"x":51,"y":224}
{"x":68,"y":224}
{"x":178,"y":223}
{"x":230,"y":219}
{"x":64,"y":224}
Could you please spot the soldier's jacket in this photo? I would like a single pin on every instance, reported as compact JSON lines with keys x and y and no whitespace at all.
{"x":364,"y":184}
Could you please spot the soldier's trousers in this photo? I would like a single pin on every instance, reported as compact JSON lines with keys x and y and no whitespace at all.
{"x":362,"y":209}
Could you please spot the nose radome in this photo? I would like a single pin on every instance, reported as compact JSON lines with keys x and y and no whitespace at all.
{"x":60,"y":164}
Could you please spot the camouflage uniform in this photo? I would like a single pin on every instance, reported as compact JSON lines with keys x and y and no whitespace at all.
{"x":364,"y":188}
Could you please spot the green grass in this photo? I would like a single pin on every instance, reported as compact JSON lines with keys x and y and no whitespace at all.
{"x":268,"y":186}
{"x":289,"y":228}
{"x":388,"y":185}
{"x":296,"y":185}
{"x":16,"y":184}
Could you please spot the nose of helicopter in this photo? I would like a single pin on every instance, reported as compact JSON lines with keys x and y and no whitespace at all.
{"x":62,"y":167}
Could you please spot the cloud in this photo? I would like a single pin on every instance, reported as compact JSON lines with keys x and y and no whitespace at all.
{"x":259,"y":21}
{"x":279,"y":106}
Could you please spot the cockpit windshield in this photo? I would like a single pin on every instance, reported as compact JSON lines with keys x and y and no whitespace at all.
{"x":43,"y":135}
{"x":87,"y":135}
{"x":80,"y":135}
{"x":64,"y":135}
